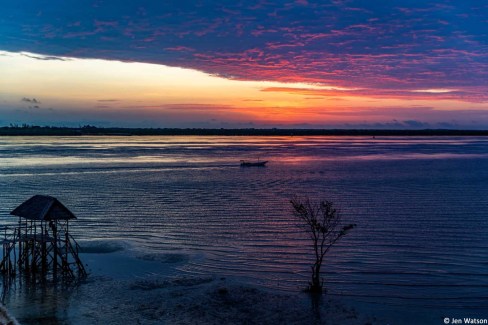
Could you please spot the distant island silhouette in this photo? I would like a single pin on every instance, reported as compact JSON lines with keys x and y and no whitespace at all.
{"x":33,"y":130}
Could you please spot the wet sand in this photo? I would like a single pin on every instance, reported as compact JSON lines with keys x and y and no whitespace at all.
{"x":149,"y":289}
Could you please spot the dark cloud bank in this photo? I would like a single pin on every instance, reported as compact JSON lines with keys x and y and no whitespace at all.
{"x":382,"y":44}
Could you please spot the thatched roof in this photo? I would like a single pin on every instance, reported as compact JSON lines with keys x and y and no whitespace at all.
{"x":43,"y":207}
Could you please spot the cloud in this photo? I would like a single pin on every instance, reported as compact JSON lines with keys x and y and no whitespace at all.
{"x":29,"y":100}
{"x":186,"y":107}
{"x":44,"y":57}
{"x":434,"y":91}
{"x":414,"y":124}
{"x":474,"y":95}
{"x":378,"y":45}
{"x":180,"y":49}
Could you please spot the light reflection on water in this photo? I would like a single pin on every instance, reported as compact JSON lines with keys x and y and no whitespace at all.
{"x":420,"y":204}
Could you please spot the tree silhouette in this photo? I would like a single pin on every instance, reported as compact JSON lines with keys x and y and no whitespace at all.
{"x":323,"y":223}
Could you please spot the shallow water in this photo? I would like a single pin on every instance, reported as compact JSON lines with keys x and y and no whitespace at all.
{"x":420,"y":203}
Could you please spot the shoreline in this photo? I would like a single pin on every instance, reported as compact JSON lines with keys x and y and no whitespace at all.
{"x":153,"y":291}
{"x":33,"y":130}
{"x":127,"y":286}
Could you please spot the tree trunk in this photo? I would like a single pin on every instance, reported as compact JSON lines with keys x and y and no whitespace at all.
{"x":316,"y":285}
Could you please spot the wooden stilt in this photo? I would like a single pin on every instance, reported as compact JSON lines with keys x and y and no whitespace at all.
{"x":41,"y":244}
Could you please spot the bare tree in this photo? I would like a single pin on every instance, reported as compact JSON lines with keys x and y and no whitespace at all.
{"x":323,"y":223}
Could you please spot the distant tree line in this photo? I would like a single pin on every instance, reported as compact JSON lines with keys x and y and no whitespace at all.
{"x":34,"y":130}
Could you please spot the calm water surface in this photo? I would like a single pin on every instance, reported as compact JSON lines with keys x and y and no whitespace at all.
{"x":420,"y":203}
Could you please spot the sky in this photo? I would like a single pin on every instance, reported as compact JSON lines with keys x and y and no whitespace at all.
{"x":383,"y":64}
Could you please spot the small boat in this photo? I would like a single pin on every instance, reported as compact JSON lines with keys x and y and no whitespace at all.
{"x":245,"y":163}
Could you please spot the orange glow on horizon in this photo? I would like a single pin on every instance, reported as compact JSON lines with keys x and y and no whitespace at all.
{"x":92,"y":88}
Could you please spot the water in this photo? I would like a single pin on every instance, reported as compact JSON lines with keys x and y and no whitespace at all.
{"x":420,"y":203}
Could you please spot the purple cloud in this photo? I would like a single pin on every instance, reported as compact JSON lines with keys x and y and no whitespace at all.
{"x":379,"y":45}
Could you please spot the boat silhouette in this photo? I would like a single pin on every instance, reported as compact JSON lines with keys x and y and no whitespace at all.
{"x":245,"y":163}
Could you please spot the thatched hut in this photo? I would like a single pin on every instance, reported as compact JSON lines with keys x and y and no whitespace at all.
{"x":43,"y":208}
{"x":41,"y":243}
